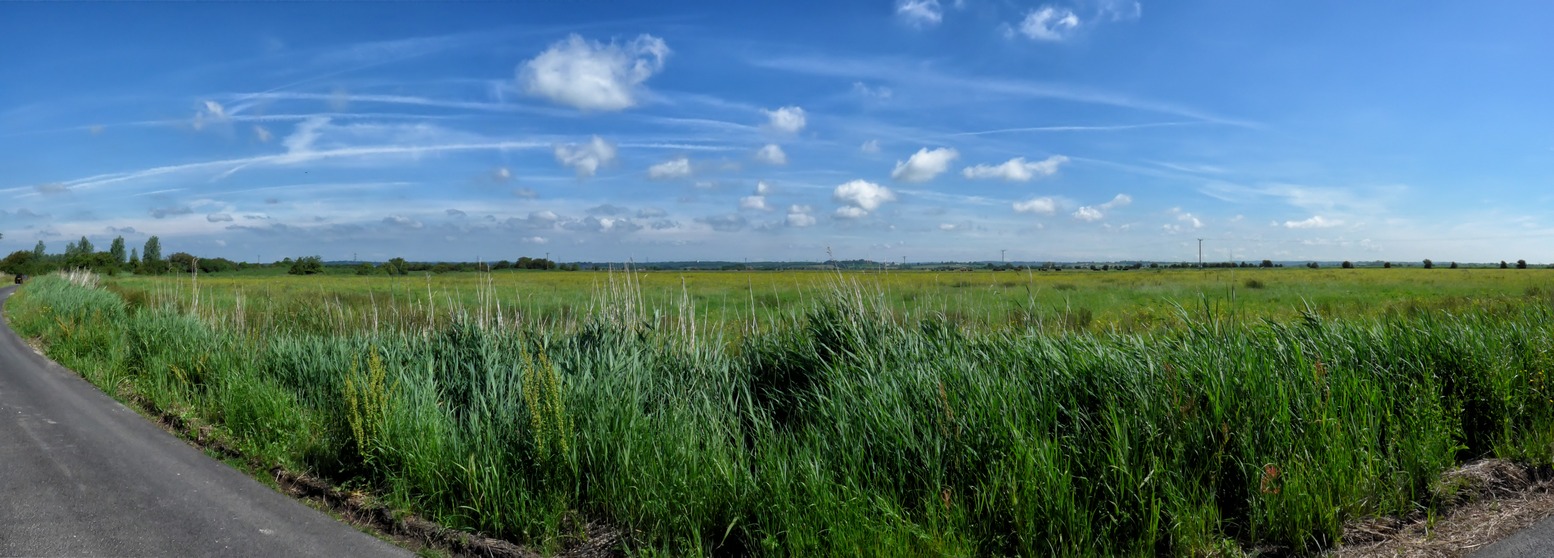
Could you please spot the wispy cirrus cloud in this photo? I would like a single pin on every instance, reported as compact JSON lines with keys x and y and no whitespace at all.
{"x":951,"y":84}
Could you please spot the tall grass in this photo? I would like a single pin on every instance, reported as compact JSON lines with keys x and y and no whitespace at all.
{"x":846,"y":428}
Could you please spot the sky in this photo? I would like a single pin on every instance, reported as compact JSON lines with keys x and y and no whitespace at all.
{"x":923,"y":130}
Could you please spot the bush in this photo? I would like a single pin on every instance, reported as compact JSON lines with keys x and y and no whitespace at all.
{"x":307,"y":266}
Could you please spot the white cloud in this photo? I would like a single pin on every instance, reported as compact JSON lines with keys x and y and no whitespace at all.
{"x":586,"y":158}
{"x":679,"y":167}
{"x":757,"y":203}
{"x":262,"y":134}
{"x":502,"y":174}
{"x":1189,"y":218}
{"x":761,"y":188}
{"x":924,"y":165}
{"x":590,"y":75}
{"x":402,"y":221}
{"x":871,"y":146}
{"x":1048,"y":23}
{"x":1017,"y":169}
{"x":209,"y":111}
{"x":219,"y":217}
{"x":947,"y":226}
{"x":880,"y":92}
{"x":786,"y":119}
{"x":862,"y":195}
{"x":1088,"y":213}
{"x":772,"y":155}
{"x":1118,"y":201}
{"x":1039,"y":206}
{"x":534,"y":240}
{"x":799,"y":217}
{"x":920,"y":13}
{"x":850,"y":212}
{"x":1315,"y":222}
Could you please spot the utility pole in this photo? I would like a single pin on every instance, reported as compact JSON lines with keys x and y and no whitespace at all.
{"x":1200,"y":253}
{"x":1001,"y":255}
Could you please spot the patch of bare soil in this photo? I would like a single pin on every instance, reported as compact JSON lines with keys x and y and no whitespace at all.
{"x":1486,"y":501}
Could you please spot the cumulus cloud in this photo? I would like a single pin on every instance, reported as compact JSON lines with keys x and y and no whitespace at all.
{"x":871,"y":146}
{"x":456,"y":213}
{"x":1315,"y":222}
{"x":679,"y":167}
{"x":1017,"y":169}
{"x":1088,"y":213}
{"x":589,"y":75}
{"x":799,"y":217}
{"x":757,"y":203}
{"x":1118,"y":201}
{"x":1190,"y":219}
{"x":850,"y":212}
{"x":1049,"y":23}
{"x":920,"y":13}
{"x":786,"y":119}
{"x":401,"y":221}
{"x":588,"y":157}
{"x":860,"y":197}
{"x":165,"y":212}
{"x":725,"y":223}
{"x":924,"y":165}
{"x":771,"y":154}
{"x":502,"y":174}
{"x":209,"y":111}
{"x":1039,"y":206}
{"x":878,"y":93}
{"x":219,"y":217}
{"x":603,"y":225}
{"x":22,"y":214}
{"x":608,"y":209}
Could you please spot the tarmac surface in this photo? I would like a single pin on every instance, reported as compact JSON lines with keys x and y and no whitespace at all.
{"x":82,"y":475}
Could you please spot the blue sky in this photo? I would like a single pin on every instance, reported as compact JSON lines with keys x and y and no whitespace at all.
{"x":651,"y":131}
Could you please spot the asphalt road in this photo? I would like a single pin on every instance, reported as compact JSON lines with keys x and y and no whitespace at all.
{"x":1536,"y":541}
{"x":81,"y":475}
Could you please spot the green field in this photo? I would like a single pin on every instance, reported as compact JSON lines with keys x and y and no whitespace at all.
{"x":815,"y":413}
{"x":1101,"y":302}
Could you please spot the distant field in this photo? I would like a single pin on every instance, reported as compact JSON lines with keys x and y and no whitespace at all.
{"x":1124,"y":301}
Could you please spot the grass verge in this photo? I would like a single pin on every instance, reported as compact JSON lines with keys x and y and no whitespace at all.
{"x":847,"y":429}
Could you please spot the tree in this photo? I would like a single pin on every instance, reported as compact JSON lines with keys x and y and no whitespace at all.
{"x":397,"y":266}
{"x":366,"y":269}
{"x":38,"y":250}
{"x":307,"y":266}
{"x":1386,"y":265}
{"x":1454,"y":265}
{"x":151,"y":257}
{"x":116,"y":250}
{"x":1503,"y":265}
{"x":1429,"y":264}
{"x":1347,"y":264}
{"x":181,"y":262}
{"x":85,"y":246}
{"x":134,"y":261}
{"x":1521,"y":264}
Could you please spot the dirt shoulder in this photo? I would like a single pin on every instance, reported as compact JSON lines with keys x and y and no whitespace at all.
{"x":1489,"y":500}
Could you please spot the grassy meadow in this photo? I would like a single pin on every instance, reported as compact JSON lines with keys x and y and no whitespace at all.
{"x":815,"y":413}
